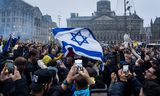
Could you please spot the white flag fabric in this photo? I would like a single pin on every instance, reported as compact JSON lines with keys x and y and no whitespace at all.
{"x":81,"y":40}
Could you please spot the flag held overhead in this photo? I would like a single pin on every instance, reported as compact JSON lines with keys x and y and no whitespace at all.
{"x":81,"y":40}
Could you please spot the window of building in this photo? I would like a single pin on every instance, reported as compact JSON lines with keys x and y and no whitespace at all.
{"x":14,"y":13}
{"x":21,"y":14}
{"x":13,"y":19}
{"x":111,"y":36}
{"x":16,"y":19}
{"x":21,"y":20}
{"x":8,"y":25}
{"x":3,"y":13}
{"x":104,"y":38}
{"x":3,"y":20}
{"x":8,"y":13}
{"x":8,"y":19}
{"x":3,"y":25}
{"x":17,"y":13}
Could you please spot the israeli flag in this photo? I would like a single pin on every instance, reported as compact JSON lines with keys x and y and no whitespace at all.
{"x":81,"y":40}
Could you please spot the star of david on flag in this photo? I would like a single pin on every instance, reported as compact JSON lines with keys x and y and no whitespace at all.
{"x":78,"y":36}
{"x":81,"y":40}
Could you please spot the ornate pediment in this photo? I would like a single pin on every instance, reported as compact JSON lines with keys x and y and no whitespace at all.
{"x":104,"y":17}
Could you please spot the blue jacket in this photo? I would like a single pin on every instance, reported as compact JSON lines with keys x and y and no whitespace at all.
{"x":117,"y":88}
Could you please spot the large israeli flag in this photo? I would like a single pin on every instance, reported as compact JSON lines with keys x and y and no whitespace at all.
{"x":81,"y":40}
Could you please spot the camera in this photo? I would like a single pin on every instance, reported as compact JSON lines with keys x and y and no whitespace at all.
{"x":79,"y":65}
{"x":126,"y":69}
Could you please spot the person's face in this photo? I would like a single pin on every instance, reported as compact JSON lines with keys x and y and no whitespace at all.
{"x":149,"y":74}
{"x":69,"y":60}
{"x":106,"y":51}
{"x":45,"y":89}
{"x":128,"y":58}
{"x":53,"y":52}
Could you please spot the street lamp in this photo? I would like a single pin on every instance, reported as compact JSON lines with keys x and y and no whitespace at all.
{"x":14,"y":30}
{"x":59,"y":20}
{"x":50,"y":35}
{"x":126,"y":8}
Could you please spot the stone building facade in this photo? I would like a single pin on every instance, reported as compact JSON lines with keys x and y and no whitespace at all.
{"x":24,"y":20}
{"x":155,"y":31}
{"x":107,"y":26}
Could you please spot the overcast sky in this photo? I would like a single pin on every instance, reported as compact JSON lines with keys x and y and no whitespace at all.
{"x":146,"y":9}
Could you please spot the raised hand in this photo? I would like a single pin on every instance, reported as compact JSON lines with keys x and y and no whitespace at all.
{"x":4,"y":74}
{"x":16,"y":75}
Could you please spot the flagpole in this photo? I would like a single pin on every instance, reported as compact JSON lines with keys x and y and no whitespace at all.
{"x":59,"y":20}
{"x":125,"y":18}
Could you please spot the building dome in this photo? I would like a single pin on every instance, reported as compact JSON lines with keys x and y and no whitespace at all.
{"x":104,"y":0}
{"x":103,"y":6}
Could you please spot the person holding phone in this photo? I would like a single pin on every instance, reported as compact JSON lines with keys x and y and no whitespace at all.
{"x":79,"y":65}
{"x":125,"y":69}
{"x":20,"y":84}
{"x":82,"y":82}
{"x":9,"y":84}
{"x":120,"y":81}
{"x":9,"y":67}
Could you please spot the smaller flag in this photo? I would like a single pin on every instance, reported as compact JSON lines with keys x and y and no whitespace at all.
{"x":6,"y":48}
{"x":15,"y":40}
{"x":135,"y":43}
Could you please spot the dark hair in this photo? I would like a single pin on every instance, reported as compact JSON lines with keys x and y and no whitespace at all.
{"x":155,"y":61}
{"x":81,"y":82}
{"x":33,"y":52}
{"x":92,"y":72}
{"x":21,"y":64}
{"x":127,"y":51}
{"x":71,"y":59}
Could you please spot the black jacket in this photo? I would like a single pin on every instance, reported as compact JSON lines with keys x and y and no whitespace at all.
{"x":151,"y":88}
{"x":17,"y":88}
{"x":21,"y":88}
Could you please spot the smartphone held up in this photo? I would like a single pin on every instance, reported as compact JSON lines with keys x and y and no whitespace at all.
{"x":79,"y":65}
{"x":9,"y":67}
{"x":126,"y":69}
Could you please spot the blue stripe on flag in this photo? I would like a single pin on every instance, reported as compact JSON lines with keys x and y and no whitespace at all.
{"x":58,"y":30}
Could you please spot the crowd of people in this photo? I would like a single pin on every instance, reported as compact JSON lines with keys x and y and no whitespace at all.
{"x":36,"y":69}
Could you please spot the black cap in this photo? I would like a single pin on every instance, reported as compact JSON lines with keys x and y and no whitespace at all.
{"x":41,"y":77}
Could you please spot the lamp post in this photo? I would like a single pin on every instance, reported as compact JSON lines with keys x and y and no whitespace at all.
{"x":59,"y":20}
{"x":125,"y":18}
{"x":50,"y":35}
{"x":126,"y":8}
